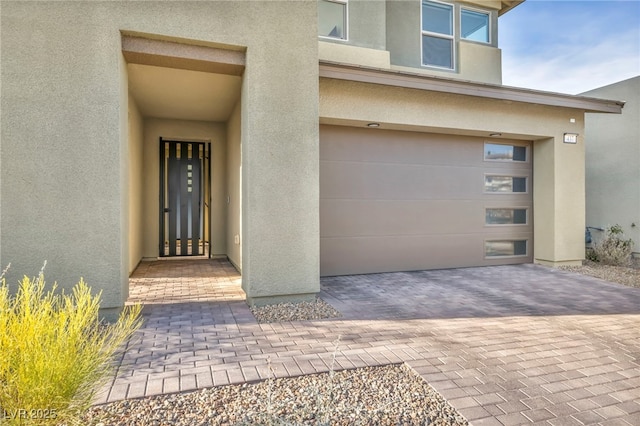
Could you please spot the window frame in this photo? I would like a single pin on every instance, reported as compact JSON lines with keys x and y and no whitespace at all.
{"x":452,"y":37}
{"x":505,"y":225}
{"x":489,"y":24}
{"x":345,"y":3}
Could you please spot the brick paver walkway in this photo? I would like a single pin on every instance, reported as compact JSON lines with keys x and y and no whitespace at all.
{"x":505,"y":345}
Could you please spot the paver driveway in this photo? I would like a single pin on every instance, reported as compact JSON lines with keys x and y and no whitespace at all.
{"x":505,"y":345}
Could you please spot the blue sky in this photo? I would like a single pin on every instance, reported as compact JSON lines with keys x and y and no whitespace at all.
{"x":570,"y":46}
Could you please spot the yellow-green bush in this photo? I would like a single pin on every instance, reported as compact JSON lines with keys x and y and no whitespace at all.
{"x":54,"y":351}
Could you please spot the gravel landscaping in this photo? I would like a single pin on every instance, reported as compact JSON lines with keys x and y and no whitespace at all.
{"x":389,"y":395}
{"x":302,"y":311}
{"x":626,"y":275}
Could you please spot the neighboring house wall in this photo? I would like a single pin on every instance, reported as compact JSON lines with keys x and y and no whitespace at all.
{"x":65,"y":162}
{"x":613,"y":162}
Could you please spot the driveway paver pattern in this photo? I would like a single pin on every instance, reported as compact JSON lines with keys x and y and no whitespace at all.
{"x":505,"y":345}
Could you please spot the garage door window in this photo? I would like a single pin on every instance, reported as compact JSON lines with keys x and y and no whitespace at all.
{"x":502,"y":152}
{"x":502,"y":248}
{"x":495,"y":216}
{"x":505,"y":184}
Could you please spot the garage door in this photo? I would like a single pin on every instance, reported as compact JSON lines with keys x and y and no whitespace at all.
{"x":401,"y":201}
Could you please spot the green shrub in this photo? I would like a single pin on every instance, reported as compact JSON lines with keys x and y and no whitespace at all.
{"x":55,"y":351}
{"x":613,"y":249}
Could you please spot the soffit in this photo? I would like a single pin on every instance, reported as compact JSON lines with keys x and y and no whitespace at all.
{"x":183,"y":94}
{"x":507,"y":5}
{"x":178,"y":79}
{"x":439,"y":84}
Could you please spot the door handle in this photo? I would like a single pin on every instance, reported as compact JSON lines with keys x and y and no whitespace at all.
{"x":167,"y":210}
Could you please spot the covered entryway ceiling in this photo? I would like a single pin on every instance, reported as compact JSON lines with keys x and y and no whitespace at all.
{"x":171,"y":93}
{"x":181,"y":80}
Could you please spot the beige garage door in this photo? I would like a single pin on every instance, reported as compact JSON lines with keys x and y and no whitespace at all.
{"x":401,"y":201}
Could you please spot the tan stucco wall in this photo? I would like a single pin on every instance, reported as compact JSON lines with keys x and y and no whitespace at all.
{"x":64,"y":112}
{"x":136,"y":185}
{"x":346,"y":54}
{"x":197,"y":131}
{"x":558,"y":168}
{"x":613,"y":162}
{"x":233,"y":189}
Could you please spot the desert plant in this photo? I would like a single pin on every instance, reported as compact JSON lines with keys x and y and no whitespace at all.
{"x":56,"y":351}
{"x":613,"y":249}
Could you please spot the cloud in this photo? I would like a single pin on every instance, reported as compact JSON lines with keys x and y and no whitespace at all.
{"x":581,"y":68}
{"x":570,"y":47}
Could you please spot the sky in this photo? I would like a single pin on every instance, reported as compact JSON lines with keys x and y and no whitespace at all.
{"x":570,"y":46}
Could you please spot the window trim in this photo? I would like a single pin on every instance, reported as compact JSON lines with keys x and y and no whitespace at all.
{"x":514,"y":144}
{"x":507,"y":256}
{"x":484,"y":182}
{"x":346,"y":21}
{"x":507,"y":225}
{"x":484,"y":12}
{"x":452,"y":37}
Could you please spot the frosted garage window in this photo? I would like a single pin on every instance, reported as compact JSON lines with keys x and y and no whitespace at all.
{"x":502,"y":152}
{"x":505,"y":184}
{"x":506,"y":216}
{"x":332,"y":19}
{"x":501,"y":248}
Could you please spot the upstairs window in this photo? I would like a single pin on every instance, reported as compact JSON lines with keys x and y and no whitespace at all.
{"x":437,"y":34}
{"x":474,"y":26}
{"x":332,"y":19}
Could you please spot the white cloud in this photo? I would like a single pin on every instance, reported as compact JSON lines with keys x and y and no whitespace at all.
{"x":575,"y":68}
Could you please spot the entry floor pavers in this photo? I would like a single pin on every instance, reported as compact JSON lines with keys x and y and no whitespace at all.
{"x":504,"y":345}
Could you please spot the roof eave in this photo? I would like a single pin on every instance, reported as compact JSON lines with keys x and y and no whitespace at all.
{"x":396,"y":78}
{"x":507,"y":5}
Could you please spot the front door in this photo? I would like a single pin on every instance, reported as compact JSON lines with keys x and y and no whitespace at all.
{"x":182,"y":189}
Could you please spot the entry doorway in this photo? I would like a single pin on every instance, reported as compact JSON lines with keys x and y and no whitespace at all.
{"x":184,"y":198}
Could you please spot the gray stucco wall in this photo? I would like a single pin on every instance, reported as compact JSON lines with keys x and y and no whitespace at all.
{"x":366,"y":26}
{"x":613,"y":161}
{"x":474,"y":61}
{"x":64,"y":131}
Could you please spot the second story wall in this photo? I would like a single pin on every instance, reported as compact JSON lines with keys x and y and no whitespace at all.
{"x":450,"y":39}
{"x":365,"y":23}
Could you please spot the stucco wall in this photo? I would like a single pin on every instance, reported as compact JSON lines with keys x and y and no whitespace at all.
{"x":613,"y":162}
{"x":474,"y":61}
{"x":233,"y":189}
{"x":558,"y":168}
{"x":366,"y":25}
{"x":65,"y":170}
{"x":136,"y":186}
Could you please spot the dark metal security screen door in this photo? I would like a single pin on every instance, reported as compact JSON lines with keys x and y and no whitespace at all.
{"x":183,"y":185}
